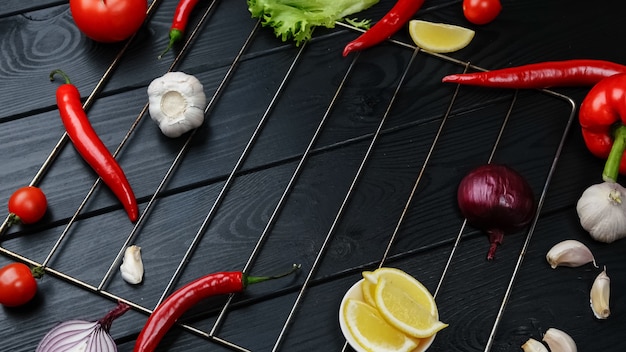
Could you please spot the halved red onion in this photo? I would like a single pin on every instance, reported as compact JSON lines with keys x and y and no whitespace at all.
{"x":81,"y":335}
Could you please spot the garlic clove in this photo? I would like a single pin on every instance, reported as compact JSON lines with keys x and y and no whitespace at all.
{"x":132,"y":265}
{"x":532,"y":345}
{"x":599,"y":296}
{"x":570,"y":253}
{"x":559,"y":341}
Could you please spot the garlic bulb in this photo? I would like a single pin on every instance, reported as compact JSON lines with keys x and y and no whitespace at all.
{"x":559,"y":341}
{"x":570,"y":253}
{"x":600,"y":294}
{"x":532,"y":345}
{"x":176,"y":102}
{"x":132,"y":265}
{"x":602,"y":212}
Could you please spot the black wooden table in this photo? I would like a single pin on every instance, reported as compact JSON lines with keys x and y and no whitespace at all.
{"x":338,"y":163}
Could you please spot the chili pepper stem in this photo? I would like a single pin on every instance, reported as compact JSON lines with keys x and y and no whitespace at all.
{"x":60,"y":72}
{"x":248,"y":280}
{"x":611,"y":167}
{"x":176,"y":35}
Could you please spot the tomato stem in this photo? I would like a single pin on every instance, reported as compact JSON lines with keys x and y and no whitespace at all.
{"x":38,"y":272}
{"x":13,"y":219}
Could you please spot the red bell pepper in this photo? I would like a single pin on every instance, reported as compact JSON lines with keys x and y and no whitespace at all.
{"x":602,"y":117}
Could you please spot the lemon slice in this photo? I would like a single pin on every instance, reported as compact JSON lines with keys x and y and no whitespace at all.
{"x":439,"y":37}
{"x":405,"y":303}
{"x":372,"y":332}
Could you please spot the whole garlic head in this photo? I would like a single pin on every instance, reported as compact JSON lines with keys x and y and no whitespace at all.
{"x":176,"y":102}
{"x":602,"y":211}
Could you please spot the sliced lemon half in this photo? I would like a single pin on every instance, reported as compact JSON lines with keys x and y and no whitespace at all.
{"x":405,"y":302}
{"x":439,"y":37}
{"x":372,"y":332}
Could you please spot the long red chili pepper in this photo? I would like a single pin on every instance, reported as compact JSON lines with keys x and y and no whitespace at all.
{"x":89,"y":145}
{"x":399,"y":14}
{"x":179,"y":22}
{"x":166,"y":314}
{"x":602,"y":116}
{"x":580,"y":72}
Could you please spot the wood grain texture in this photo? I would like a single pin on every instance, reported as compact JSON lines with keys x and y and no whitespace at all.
{"x":340,"y":212}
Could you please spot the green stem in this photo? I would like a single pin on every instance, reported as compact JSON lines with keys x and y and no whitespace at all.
{"x":37,"y":272}
{"x":248,"y":280}
{"x":611,"y":167}
{"x":176,"y":35}
{"x":65,"y":77}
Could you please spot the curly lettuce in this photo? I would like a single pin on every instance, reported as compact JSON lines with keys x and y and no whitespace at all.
{"x":295,"y":19}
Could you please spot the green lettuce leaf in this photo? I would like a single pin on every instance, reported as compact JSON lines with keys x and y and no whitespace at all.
{"x":295,"y":19}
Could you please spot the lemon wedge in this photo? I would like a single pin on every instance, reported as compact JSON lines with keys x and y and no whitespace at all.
{"x":367,"y":290}
{"x":439,"y":37}
{"x":405,"y":302}
{"x":372,"y":332}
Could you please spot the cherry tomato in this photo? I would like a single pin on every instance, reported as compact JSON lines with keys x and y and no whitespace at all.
{"x":481,"y":11}
{"x":27,"y":205}
{"x":108,"y":21}
{"x":17,"y":285}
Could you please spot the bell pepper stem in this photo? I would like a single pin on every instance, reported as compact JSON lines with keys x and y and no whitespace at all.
{"x":611,"y":167}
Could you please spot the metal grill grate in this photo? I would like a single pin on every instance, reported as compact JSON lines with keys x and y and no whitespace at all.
{"x":448,"y":108}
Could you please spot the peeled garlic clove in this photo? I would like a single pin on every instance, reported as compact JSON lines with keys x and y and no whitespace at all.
{"x":533,"y":345}
{"x":599,"y":297}
{"x":132,"y":265}
{"x":559,"y":341}
{"x":570,"y":253}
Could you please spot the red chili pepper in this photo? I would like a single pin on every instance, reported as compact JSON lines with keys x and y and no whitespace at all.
{"x":166,"y":314}
{"x":397,"y":17}
{"x":90,"y":147}
{"x":565,"y":73}
{"x":602,"y":116}
{"x":179,"y":23}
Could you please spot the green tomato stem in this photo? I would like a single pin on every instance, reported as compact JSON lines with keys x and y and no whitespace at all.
{"x":613,"y":161}
{"x":37,"y":272}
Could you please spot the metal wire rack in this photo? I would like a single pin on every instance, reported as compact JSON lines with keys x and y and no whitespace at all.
{"x":212,"y":333}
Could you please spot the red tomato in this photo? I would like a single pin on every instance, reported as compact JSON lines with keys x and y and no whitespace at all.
{"x":108,"y":21}
{"x":481,"y":11}
{"x":17,"y":285}
{"x":28,"y":204}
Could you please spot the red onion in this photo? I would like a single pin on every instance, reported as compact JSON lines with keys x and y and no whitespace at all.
{"x":81,"y":335}
{"x":496,"y":199}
